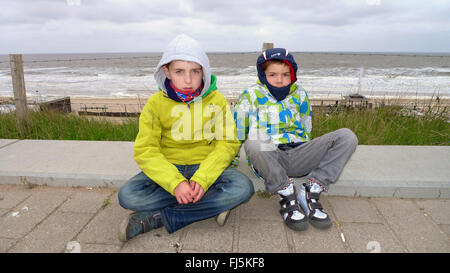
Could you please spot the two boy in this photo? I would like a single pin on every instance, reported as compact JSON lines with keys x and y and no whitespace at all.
{"x":187,"y":177}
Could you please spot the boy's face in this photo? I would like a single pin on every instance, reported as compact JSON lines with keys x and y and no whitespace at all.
{"x":278,"y":75}
{"x":184,"y":75}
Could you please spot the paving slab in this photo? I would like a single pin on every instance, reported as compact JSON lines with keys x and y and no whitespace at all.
{"x":258,"y":208}
{"x":25,"y":216}
{"x":87,"y":201}
{"x":3,"y":212}
{"x":439,"y":210}
{"x":261,"y":236}
{"x":104,"y":227}
{"x":315,"y":240}
{"x":94,"y":248}
{"x":415,"y":230}
{"x":371,"y":238}
{"x":53,"y":222}
{"x":53,"y":235}
{"x":349,"y":209}
{"x":6,"y":244}
{"x":208,"y":236}
{"x":10,"y":199}
{"x":154,"y":241}
{"x":445,"y":228}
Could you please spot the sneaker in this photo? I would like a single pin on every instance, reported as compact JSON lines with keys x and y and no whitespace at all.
{"x":290,"y":209}
{"x":222,"y":218}
{"x":136,"y":224}
{"x":308,"y":198}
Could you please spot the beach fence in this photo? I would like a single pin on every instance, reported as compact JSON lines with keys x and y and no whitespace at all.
{"x":20,"y":95}
{"x":131,"y":107}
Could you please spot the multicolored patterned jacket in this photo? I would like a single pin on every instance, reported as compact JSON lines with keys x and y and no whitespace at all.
{"x":285,"y":121}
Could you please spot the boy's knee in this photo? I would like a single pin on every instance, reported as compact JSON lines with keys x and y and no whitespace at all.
{"x":348,"y":136}
{"x":242,"y":186}
{"x":248,"y":188}
{"x":252,"y":146}
{"x":125,"y":196}
{"x":122,"y":196}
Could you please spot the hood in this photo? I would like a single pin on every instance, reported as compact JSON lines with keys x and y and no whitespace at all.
{"x":279,"y":54}
{"x":184,"y":48}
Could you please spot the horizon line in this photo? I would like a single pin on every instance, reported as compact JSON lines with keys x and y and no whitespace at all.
{"x":254,"y":51}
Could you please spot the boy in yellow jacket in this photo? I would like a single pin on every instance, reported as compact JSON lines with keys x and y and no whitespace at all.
{"x":186,"y":142}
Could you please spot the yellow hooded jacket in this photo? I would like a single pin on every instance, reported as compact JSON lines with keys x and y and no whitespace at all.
{"x":199,"y":132}
{"x":165,"y":139}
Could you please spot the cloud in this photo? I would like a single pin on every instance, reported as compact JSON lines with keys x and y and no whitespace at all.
{"x":233,"y":25}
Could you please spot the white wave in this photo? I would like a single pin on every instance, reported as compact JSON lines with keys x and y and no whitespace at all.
{"x":45,"y":68}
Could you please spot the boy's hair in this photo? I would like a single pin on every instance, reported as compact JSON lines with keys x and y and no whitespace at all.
{"x":167,"y":65}
{"x":269,"y":62}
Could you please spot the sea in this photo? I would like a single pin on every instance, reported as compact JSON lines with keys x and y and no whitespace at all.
{"x":322,"y":74}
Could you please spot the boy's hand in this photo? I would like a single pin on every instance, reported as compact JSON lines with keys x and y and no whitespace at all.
{"x":198,"y":191}
{"x":184,"y":193}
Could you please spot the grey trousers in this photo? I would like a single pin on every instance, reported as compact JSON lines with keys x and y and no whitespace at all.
{"x":321,"y":159}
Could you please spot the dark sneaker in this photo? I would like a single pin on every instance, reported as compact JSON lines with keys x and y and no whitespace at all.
{"x":222,"y":218}
{"x":290,"y":209}
{"x":308,"y":198}
{"x":136,"y":224}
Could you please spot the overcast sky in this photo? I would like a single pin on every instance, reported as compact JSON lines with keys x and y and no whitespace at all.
{"x":66,"y":26}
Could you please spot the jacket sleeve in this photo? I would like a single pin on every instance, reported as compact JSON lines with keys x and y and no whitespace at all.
{"x":306,"y":115}
{"x":226,"y":146}
{"x":147,"y":152}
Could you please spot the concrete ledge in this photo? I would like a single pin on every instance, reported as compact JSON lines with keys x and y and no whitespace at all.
{"x":67,"y":163}
{"x":389,"y":171}
{"x":375,"y":171}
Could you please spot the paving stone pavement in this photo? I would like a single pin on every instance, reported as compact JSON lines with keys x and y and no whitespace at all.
{"x":64,"y":219}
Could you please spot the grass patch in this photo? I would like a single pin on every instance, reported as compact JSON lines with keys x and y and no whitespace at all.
{"x":387,"y":125}
{"x":58,"y":126}
{"x":263,"y":194}
{"x":106,"y":202}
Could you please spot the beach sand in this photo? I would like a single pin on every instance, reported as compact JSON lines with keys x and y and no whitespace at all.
{"x":134,"y":105}
{"x":127,"y":105}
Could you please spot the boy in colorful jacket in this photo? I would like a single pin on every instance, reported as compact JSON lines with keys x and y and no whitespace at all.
{"x":186,"y":141}
{"x":274,"y":116}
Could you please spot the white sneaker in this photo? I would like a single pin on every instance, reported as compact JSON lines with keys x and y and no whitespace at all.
{"x":222,"y":218}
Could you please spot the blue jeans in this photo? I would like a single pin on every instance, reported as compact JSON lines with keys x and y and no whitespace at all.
{"x":146,"y":197}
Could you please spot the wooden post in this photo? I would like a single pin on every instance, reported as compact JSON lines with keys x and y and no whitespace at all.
{"x":20,"y":95}
{"x":266,"y":46}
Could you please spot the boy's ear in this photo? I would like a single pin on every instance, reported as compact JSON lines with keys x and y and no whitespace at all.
{"x":166,"y":70}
